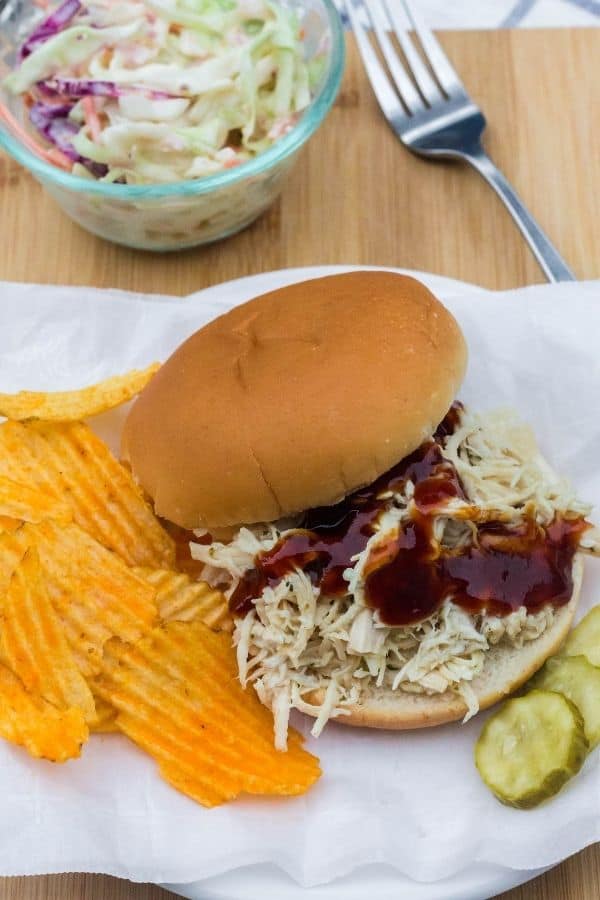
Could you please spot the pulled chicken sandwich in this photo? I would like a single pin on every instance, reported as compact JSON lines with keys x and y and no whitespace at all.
{"x":392,"y":559}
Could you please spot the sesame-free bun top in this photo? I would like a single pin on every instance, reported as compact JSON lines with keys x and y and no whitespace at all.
{"x":294,"y":399}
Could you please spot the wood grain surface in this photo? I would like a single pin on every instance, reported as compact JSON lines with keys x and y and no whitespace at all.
{"x":358,"y":197}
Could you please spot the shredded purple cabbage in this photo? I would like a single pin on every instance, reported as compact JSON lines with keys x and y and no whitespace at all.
{"x":70,"y":87}
{"x":50,"y":26}
{"x":45,"y":90}
{"x":54,"y":124}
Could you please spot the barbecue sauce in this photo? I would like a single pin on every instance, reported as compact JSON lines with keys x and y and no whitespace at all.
{"x":182,"y":538}
{"x":505,"y":568}
{"x":408,"y":578}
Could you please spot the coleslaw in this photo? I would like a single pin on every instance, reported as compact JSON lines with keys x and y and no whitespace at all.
{"x":162,"y":90}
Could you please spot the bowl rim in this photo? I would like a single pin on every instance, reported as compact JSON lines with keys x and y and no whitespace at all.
{"x":312,"y":117}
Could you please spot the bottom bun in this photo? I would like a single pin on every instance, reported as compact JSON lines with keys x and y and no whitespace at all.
{"x":505,"y":669}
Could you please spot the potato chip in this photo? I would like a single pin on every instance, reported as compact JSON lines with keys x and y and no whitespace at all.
{"x":12,"y":550}
{"x":180,"y":599}
{"x":68,"y":406}
{"x":33,"y":644}
{"x":70,"y":463}
{"x":179,"y":699}
{"x":106,"y":717}
{"x":95,"y":595}
{"x":20,"y":501}
{"x":43,"y":730}
{"x":9,"y":524}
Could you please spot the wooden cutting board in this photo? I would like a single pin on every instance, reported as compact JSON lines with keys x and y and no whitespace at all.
{"x":358,"y":197}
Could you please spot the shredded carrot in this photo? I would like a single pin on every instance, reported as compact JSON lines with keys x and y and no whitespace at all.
{"x":91,"y":117}
{"x":107,"y":55}
{"x":53,"y":156}
{"x":43,"y":4}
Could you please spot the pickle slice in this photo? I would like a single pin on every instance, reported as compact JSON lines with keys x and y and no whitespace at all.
{"x":584,"y":640}
{"x":579,"y":681}
{"x":531,"y":747}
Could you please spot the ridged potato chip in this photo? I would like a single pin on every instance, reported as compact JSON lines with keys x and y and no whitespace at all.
{"x":69,"y":462}
{"x":30,"y":721}
{"x":69,"y":406}
{"x":12,"y":550}
{"x":7,"y":523}
{"x":179,"y":699}
{"x":33,"y":644}
{"x":180,"y":599}
{"x":106,"y":717}
{"x":86,"y":572}
{"x":96,"y":596}
{"x":20,"y":501}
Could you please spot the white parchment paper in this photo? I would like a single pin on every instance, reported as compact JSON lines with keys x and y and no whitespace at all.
{"x":413,"y":801}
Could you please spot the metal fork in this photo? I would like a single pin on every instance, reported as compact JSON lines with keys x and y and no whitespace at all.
{"x":435,"y":117}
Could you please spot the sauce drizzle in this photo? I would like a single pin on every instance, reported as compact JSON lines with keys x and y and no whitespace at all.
{"x":507,"y":567}
{"x":408,"y":577}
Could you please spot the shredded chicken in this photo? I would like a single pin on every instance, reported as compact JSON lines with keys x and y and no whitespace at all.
{"x":296,"y":642}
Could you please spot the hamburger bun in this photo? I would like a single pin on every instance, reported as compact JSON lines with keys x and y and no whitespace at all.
{"x":505,"y":669}
{"x":295,"y":399}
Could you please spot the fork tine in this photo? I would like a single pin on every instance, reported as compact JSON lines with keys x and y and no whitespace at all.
{"x":426,"y":84}
{"x":408,"y":92}
{"x":386,"y":95}
{"x":439,"y":62}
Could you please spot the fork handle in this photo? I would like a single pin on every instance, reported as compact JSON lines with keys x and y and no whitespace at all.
{"x":552,"y":263}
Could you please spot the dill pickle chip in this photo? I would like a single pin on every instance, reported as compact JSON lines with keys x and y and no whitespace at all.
{"x":584,"y":640}
{"x":579,"y":681}
{"x":531,"y":747}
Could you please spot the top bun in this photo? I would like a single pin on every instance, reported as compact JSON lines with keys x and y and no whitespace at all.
{"x":295,"y":399}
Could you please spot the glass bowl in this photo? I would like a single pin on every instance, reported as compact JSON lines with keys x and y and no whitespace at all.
{"x":183,"y":213}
